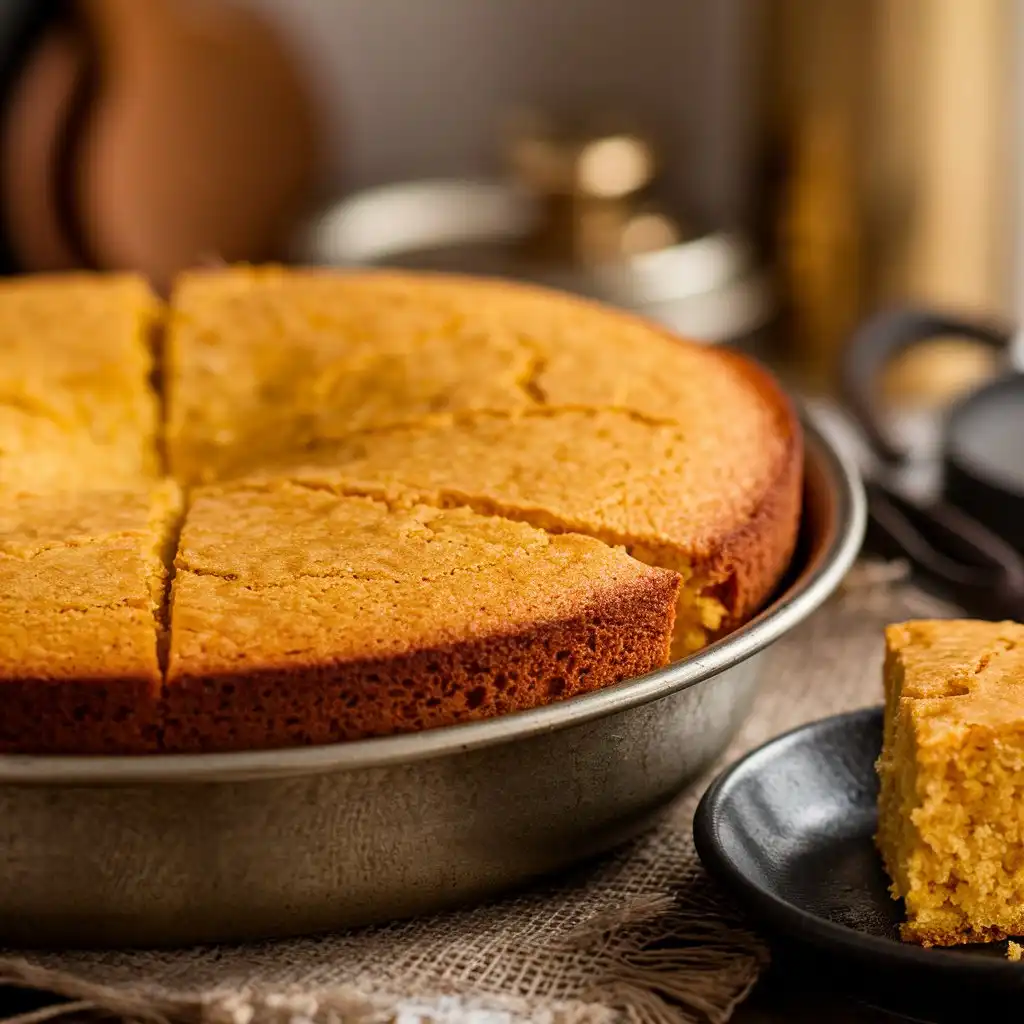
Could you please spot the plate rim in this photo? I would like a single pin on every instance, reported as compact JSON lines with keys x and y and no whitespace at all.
{"x":790,"y":920}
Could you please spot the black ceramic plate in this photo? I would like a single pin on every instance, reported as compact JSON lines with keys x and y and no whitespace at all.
{"x":789,"y":831}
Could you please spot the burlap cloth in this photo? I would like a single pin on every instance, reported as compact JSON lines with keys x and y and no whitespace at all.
{"x":642,"y":937}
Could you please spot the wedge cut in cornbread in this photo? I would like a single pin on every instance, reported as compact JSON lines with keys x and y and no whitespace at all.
{"x":488,"y":394}
{"x":263,"y":363}
{"x":77,"y":406}
{"x":725,"y":524}
{"x":951,"y":807}
{"x":82,"y":631}
{"x":298,"y":616}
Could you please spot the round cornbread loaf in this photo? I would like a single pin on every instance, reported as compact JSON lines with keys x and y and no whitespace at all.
{"x":410,"y":501}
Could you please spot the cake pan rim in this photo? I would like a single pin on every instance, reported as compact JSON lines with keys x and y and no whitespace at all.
{"x":835,"y":554}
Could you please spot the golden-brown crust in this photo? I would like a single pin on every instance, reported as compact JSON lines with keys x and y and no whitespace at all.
{"x":750,"y":558}
{"x":79,"y":716}
{"x":967,"y":935}
{"x":621,"y":636}
{"x":77,"y":409}
{"x":755,"y":555}
{"x":81,"y":586}
{"x":303,"y":616}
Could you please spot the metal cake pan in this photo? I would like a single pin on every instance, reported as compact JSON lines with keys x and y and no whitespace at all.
{"x":194,"y":848}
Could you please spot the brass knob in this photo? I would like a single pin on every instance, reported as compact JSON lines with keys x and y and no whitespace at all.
{"x":592,"y":185}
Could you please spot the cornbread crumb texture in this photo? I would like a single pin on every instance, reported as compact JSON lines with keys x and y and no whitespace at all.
{"x":1014,"y":951}
{"x":325,"y":355}
{"x":76,"y":405}
{"x":323,"y":615}
{"x":951,"y":808}
{"x":82,"y":580}
{"x":493,"y":395}
{"x":605,"y":473}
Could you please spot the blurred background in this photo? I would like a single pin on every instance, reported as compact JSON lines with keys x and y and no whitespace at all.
{"x":753,"y":172}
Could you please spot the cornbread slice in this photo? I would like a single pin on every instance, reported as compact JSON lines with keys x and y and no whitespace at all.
{"x":76,"y":405}
{"x":299,"y":616}
{"x":261,"y":363}
{"x":82,"y":579}
{"x":267,"y":362}
{"x":951,"y":808}
{"x":720,"y":509}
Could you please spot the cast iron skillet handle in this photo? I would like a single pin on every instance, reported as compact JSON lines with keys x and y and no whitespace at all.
{"x":880,"y":339}
{"x":984,"y":572}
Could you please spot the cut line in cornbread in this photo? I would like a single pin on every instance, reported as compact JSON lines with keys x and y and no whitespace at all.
{"x":77,"y":408}
{"x":299,"y":616}
{"x":263,"y":363}
{"x":514,"y":401}
{"x":82,"y":596}
{"x":727,"y":526}
{"x":951,"y":806}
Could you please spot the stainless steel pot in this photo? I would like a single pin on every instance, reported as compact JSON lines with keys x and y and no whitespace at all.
{"x":181,"y":849}
{"x":711,"y":287}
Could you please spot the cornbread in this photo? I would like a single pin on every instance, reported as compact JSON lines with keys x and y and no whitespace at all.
{"x":262,"y":363}
{"x":491,"y":395}
{"x":415,"y":500}
{"x":727,"y":526}
{"x":82,"y":580}
{"x":302,"y":617}
{"x":76,"y":405}
{"x":265,"y":363}
{"x":951,"y":808}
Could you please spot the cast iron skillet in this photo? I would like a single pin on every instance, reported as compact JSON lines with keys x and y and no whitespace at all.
{"x":972,"y":538}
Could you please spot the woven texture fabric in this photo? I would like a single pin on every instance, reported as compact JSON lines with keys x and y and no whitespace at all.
{"x":643,"y":936}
